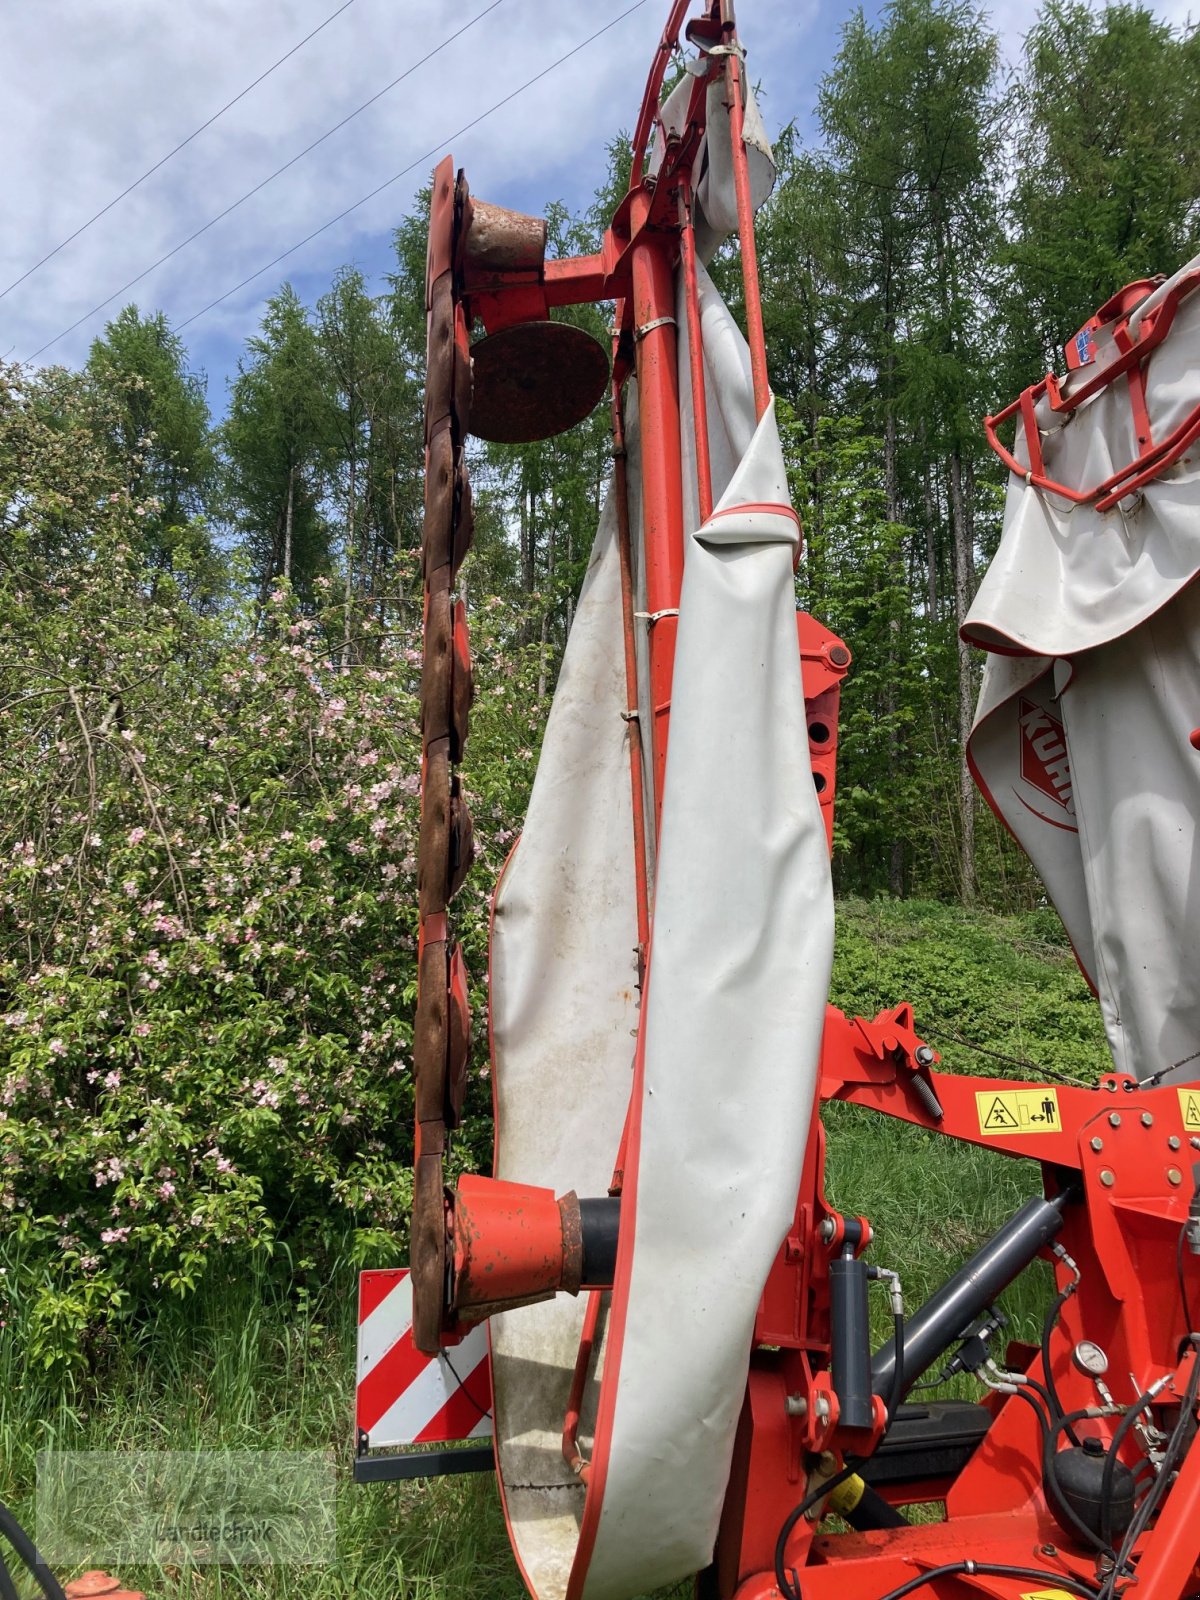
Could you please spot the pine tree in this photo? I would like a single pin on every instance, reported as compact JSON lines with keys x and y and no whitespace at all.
{"x":1107,"y":170}
{"x":357,"y":353}
{"x":276,"y":436}
{"x":912,"y":116}
{"x":162,"y":435}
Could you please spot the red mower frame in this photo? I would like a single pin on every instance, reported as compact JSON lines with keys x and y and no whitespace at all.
{"x":1118,"y":1213}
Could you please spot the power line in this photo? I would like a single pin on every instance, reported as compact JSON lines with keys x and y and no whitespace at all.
{"x":241,"y":95}
{"x":404,"y":171}
{"x":299,"y":156}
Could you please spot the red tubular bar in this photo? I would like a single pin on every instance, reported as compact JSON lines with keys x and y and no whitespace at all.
{"x":636,"y":775}
{"x":662,"y":472}
{"x":745,"y":210}
{"x":658,"y":70}
{"x":1151,"y":460}
{"x":587,"y":1342}
{"x":687,"y":238}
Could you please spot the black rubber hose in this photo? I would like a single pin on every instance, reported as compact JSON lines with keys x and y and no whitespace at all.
{"x":1110,"y":1461}
{"x":27,"y":1550}
{"x":896,"y":1391}
{"x":873,"y":1512}
{"x":8,"y":1589}
{"x":1040,"y":1388}
{"x":1038,"y":1411}
{"x":786,"y":1587}
{"x":1048,"y":1327}
{"x":1171,"y":1457}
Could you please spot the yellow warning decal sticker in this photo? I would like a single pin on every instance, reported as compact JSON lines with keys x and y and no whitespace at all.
{"x":1018,"y":1111}
{"x":1045,"y":1594}
{"x":1189,"y":1107}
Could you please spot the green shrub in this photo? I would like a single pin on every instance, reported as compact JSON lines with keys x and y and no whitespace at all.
{"x":207,"y":902}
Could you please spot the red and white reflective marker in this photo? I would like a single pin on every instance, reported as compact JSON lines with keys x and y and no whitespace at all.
{"x":403,"y":1396}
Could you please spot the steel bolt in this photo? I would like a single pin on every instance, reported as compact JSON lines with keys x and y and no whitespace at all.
{"x":1107,"y":1178}
{"x":1114,"y":1119}
{"x":1194,"y":1142}
{"x":1147,"y":1120}
{"x":1174,"y":1175}
{"x":1097,"y":1142}
{"x":1173,"y":1143}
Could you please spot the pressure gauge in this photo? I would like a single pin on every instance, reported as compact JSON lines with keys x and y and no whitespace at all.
{"x":1089,"y":1358}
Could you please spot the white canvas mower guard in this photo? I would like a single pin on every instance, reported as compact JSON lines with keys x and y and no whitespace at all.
{"x":743,"y":929}
{"x":1081,"y":743}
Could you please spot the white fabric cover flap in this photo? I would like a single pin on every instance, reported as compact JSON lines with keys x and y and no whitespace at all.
{"x":739,"y":973}
{"x":564,"y":1014}
{"x":1067,"y":577}
{"x":716,"y":197}
{"x":1081,"y":738}
{"x":740,"y":967}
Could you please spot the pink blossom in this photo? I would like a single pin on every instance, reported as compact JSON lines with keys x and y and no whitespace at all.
{"x":136,"y":835}
{"x":57,"y":1047}
{"x":316,"y":844}
{"x":114,"y":1235}
{"x":166,"y":1190}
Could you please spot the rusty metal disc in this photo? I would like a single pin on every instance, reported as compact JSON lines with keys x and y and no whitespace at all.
{"x":534,"y":380}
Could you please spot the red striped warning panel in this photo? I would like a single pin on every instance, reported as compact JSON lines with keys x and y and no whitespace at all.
{"x":404,"y":1396}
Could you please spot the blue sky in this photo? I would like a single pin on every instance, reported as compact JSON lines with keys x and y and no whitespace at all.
{"x":74,"y":136}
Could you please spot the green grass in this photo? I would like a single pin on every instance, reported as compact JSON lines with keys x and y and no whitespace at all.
{"x":246,"y":1365}
{"x":241,"y":1368}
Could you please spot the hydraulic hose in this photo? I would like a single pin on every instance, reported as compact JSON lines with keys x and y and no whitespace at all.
{"x":27,"y":1551}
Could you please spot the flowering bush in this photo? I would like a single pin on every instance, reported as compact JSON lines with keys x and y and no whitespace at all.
{"x":207,"y":900}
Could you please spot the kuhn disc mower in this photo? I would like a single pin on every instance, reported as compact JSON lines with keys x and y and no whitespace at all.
{"x":682,"y":1374}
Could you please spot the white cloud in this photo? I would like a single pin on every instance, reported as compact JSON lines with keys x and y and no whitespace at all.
{"x":99,"y":89}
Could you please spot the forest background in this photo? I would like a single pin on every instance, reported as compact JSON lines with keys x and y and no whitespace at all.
{"x":209,"y":663}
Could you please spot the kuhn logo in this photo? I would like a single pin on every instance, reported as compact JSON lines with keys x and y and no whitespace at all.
{"x":1045,"y":765}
